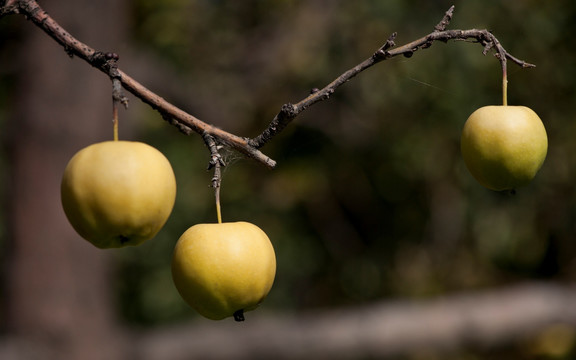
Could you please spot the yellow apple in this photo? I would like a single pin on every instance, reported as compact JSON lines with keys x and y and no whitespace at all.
{"x":223,"y":269}
{"x":504,"y":146}
{"x":118,"y":193}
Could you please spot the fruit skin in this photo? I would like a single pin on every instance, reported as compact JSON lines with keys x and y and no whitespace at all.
{"x":504,"y":146}
{"x":220,"y":269}
{"x":118,"y":193}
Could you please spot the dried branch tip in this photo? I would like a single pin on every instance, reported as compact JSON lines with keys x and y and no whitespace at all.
{"x":390,"y":42}
{"x":382,"y":53}
{"x":445,"y":20}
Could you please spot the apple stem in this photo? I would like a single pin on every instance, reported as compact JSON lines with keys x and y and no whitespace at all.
{"x":115,"y":119}
{"x":504,"y":89}
{"x":502,"y":58}
{"x":218,"y":208}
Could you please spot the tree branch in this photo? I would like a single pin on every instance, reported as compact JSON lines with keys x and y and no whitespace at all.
{"x":187,"y":123}
{"x":181,"y":119}
{"x":445,"y":20}
{"x":290,"y":111}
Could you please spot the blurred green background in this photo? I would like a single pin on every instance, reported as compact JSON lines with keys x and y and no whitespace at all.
{"x":370,"y":199}
{"x":370,"y":196}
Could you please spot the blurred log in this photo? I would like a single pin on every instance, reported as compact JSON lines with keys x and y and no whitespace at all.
{"x":481,"y":320}
{"x":473,"y":321}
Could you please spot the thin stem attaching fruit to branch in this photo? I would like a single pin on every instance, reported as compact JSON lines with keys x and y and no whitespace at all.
{"x":504,"y":88}
{"x":502,"y":55}
{"x":250,"y":147}
{"x":115,"y":120}
{"x":216,"y":163}
{"x":117,"y":94}
{"x":504,"y":80}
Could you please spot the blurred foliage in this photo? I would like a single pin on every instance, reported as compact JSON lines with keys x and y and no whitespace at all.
{"x":370,"y":199}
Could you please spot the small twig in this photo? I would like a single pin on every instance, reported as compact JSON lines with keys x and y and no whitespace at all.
{"x":501,"y":55}
{"x":118,"y":97}
{"x":445,"y":20}
{"x":383,"y":51}
{"x":217,"y":163}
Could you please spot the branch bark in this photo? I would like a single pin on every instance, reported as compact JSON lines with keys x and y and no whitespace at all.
{"x":182,"y":120}
{"x":188,"y":123}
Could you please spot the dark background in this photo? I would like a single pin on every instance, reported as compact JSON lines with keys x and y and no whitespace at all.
{"x":370,"y":201}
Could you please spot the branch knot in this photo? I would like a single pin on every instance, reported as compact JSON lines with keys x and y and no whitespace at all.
{"x":382,"y":53}
{"x":288,"y":111}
